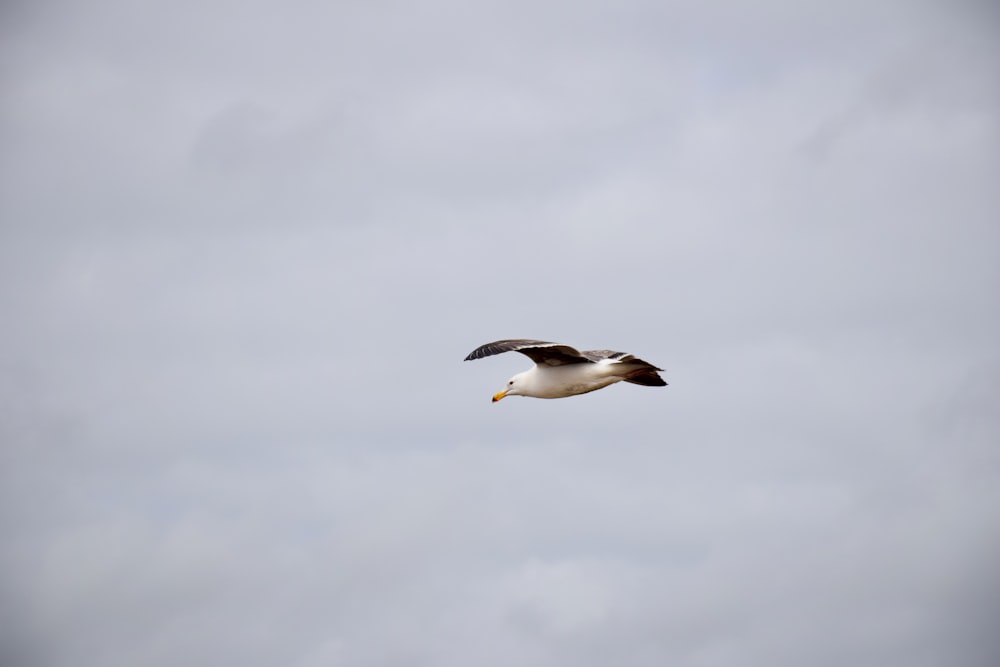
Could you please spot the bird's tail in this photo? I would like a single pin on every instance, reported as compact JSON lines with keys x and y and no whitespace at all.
{"x":645,"y":375}
{"x":646,"y":378}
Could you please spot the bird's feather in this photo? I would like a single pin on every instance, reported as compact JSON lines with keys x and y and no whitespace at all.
{"x":541,"y":352}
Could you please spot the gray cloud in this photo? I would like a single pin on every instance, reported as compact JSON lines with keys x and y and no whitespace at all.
{"x":243,"y":251}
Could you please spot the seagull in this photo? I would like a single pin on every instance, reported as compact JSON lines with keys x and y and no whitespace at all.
{"x":562,"y":371}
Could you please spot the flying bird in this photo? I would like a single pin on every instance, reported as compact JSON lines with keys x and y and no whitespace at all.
{"x":562,"y":371}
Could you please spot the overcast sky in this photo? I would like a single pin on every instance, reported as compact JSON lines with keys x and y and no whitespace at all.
{"x":245,"y":246}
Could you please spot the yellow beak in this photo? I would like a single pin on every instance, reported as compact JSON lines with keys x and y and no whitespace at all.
{"x":497,"y":396}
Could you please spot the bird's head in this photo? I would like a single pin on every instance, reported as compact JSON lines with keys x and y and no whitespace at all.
{"x":513,"y":388}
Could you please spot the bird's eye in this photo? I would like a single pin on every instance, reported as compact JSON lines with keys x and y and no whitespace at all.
{"x":510,"y":383}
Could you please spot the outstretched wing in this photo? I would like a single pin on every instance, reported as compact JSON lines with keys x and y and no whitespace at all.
{"x":623,"y":357}
{"x":637,"y":370}
{"x":541,"y":352}
{"x":600,"y":355}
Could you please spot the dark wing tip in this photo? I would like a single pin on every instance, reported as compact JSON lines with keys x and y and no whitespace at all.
{"x":646,"y":378}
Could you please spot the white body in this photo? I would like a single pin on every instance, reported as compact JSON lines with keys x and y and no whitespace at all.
{"x":569,"y":380}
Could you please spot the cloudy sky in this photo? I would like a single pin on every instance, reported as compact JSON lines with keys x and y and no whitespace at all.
{"x":245,"y":246}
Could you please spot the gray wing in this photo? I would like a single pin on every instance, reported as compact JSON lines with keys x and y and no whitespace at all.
{"x":600,"y":355}
{"x":541,"y":352}
{"x":634,"y":370}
